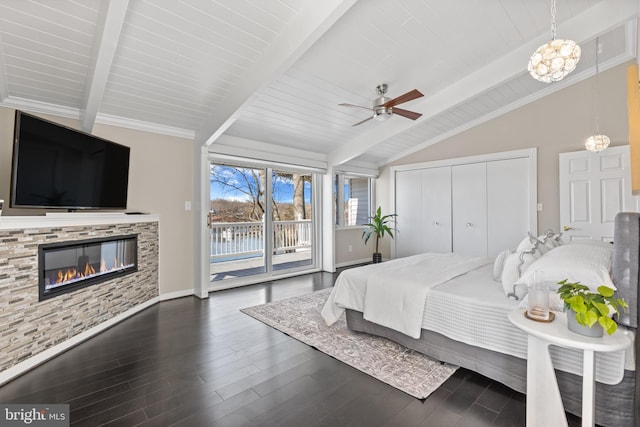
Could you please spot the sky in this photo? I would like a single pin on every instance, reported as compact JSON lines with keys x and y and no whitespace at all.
{"x":228,"y":182}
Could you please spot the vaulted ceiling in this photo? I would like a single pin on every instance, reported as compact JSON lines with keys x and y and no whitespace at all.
{"x":271,"y":73}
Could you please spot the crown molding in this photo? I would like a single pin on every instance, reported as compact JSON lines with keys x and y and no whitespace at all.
{"x":107,"y":119}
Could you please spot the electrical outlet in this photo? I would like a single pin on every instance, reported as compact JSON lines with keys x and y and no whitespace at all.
{"x":350,"y":248}
{"x":539,"y":207}
{"x":187,"y":205}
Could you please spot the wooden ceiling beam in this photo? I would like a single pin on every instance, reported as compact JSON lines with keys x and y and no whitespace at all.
{"x":105,"y":45}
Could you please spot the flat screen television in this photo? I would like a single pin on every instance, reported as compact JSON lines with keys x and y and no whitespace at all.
{"x":58,"y":167}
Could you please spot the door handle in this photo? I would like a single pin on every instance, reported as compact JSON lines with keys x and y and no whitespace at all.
{"x":436,"y":223}
{"x":567,"y":228}
{"x":469,"y":225}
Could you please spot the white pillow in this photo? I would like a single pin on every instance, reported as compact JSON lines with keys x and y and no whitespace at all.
{"x":515,"y":264}
{"x":498,"y":264}
{"x":592,"y":243}
{"x":588,"y":264}
{"x":527,"y":243}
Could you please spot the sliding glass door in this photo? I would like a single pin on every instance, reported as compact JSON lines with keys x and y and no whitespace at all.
{"x":292,"y":220}
{"x":261,"y":223}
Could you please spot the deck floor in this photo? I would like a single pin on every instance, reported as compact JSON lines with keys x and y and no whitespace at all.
{"x":251,"y":266}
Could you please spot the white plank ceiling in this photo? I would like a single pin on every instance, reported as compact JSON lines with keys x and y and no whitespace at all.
{"x":274,"y":71}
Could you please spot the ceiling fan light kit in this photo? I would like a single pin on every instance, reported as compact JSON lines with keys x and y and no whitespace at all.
{"x":552,"y":61}
{"x":383,"y":107}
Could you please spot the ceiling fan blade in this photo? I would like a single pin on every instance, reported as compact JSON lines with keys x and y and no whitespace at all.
{"x":412,"y":94}
{"x":365,"y":120}
{"x":406,"y":113}
{"x":357,"y":106}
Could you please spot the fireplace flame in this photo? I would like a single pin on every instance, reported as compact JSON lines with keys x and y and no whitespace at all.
{"x":71,"y":273}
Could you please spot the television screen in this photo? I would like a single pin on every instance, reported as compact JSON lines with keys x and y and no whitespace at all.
{"x":59,"y":167}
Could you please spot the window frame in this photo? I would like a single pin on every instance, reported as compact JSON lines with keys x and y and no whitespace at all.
{"x":339,"y":198}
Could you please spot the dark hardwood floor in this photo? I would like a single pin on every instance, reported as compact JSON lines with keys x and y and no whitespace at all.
{"x":191,"y":362}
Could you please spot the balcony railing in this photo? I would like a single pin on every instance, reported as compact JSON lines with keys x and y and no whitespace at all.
{"x":233,"y":240}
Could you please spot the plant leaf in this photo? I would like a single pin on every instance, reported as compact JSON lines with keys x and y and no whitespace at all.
{"x":591,"y":318}
{"x":602,"y":308}
{"x":605,"y":291}
{"x":608,"y":325}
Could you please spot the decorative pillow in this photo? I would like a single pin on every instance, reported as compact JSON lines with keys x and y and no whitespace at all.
{"x":549,"y":240}
{"x":515,"y":264}
{"x":527,"y":243}
{"x":498,"y":264}
{"x":589,"y":264}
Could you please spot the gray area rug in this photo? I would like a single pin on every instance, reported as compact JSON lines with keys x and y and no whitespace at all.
{"x":404,"y":369}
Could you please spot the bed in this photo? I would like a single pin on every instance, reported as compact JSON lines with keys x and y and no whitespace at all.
{"x":476,"y":333}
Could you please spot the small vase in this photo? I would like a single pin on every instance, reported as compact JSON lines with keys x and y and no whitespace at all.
{"x":377,"y":258}
{"x":595,"y":331}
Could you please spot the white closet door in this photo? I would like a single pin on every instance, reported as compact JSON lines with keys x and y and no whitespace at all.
{"x":508,"y":204}
{"x":436,"y":208}
{"x":469,"y":207}
{"x":410,"y":223}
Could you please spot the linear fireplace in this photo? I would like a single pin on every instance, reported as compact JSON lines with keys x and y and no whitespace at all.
{"x":68,"y":266}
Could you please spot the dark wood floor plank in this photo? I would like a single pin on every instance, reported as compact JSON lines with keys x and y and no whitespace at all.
{"x":192,"y":362}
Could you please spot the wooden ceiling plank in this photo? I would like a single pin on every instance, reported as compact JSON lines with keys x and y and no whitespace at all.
{"x":297,"y":37}
{"x":105,"y":49}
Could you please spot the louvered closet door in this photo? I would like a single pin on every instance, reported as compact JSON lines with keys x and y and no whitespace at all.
{"x":469,"y":207}
{"x":410,"y":225}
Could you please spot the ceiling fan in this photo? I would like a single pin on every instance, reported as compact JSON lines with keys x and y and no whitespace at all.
{"x":384,"y":107}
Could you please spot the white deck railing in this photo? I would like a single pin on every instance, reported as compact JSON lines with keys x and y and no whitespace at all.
{"x":247,"y":238}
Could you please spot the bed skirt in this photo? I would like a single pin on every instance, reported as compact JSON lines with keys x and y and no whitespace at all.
{"x":614,"y":403}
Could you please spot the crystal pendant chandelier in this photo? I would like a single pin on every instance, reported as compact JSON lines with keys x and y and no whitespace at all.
{"x":597,"y":142}
{"x":552,"y":61}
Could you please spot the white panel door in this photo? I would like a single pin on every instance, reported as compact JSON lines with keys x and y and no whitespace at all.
{"x":436,"y":208}
{"x":469,"y":209}
{"x":409,"y":222}
{"x":594,"y":187}
{"x":508,"y":204}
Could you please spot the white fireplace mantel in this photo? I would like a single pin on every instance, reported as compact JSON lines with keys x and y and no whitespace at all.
{"x":73,"y":219}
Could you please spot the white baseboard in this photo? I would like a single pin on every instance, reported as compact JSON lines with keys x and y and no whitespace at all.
{"x":176,"y":294}
{"x":354,"y":262}
{"x":22,"y":367}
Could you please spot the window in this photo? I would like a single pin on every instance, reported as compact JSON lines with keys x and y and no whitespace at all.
{"x":353,"y":199}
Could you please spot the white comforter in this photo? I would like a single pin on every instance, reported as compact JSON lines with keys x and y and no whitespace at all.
{"x":393,"y":294}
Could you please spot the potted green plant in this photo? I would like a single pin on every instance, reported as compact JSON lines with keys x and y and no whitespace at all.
{"x":590,"y":313}
{"x":378,"y":226}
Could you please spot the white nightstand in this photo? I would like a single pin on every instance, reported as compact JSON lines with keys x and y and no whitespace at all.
{"x":544,"y":405}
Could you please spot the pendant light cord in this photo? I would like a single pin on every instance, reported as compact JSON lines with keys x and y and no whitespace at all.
{"x":595,"y":106}
{"x":553,"y":20}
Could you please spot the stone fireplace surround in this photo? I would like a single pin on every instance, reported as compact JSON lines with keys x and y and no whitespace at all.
{"x":32,"y":331}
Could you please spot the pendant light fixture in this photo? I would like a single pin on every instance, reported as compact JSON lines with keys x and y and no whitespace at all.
{"x":552,"y":61}
{"x":597,"y":142}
